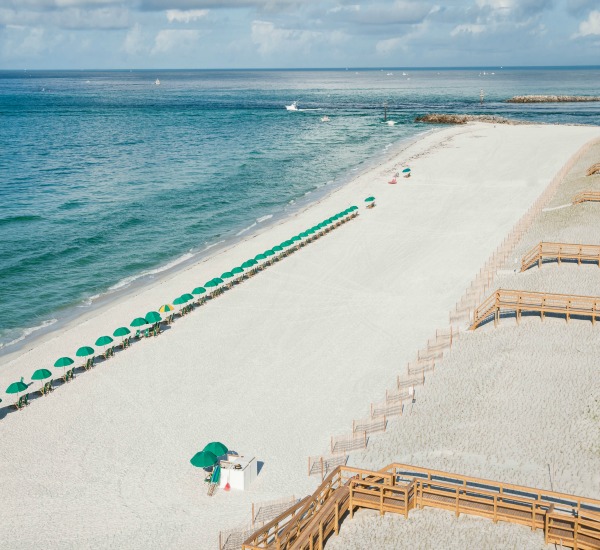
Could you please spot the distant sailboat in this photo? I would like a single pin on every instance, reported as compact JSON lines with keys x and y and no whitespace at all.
{"x":157,"y":82}
{"x":325,"y":119}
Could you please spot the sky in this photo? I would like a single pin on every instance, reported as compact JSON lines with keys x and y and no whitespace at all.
{"x":206,"y":34}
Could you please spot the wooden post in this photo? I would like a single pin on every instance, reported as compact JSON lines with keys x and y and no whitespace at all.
{"x":495,"y":509}
{"x":381,"y":512}
{"x":457,"y":502}
{"x":337,"y":517}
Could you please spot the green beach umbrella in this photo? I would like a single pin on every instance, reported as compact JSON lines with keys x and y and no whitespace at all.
{"x":41,"y":374}
{"x":296,"y":238}
{"x":406,"y":171}
{"x":203,"y":459}
{"x":369,"y":199}
{"x":211,"y":284}
{"x":166,"y":308}
{"x":310,"y":231}
{"x":352,"y":208}
{"x":304,"y":234}
{"x":237,"y":270}
{"x":104,"y":341}
{"x":217,"y":448}
{"x":187,"y":296}
{"x":121,"y":331}
{"x":286,"y":243}
{"x":63,"y":362}
{"x":153,"y":317}
{"x":249,"y":263}
{"x":138,"y":322}
{"x":17,"y":387}
{"x":199,"y":290}
{"x":180,"y":301}
{"x":276,"y":248}
{"x":227,"y":275}
{"x":269,"y":252}
{"x":85,"y":351}
{"x":260,"y":257}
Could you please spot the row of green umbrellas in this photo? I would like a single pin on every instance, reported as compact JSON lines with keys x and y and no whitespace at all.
{"x":153,"y":317}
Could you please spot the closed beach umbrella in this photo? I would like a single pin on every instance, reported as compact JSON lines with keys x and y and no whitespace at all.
{"x":121,"y":331}
{"x":153,"y":317}
{"x":217,"y":448}
{"x":104,"y":341}
{"x":41,"y":374}
{"x":17,"y":387}
{"x":63,"y":362}
{"x":237,"y":270}
{"x":85,"y":351}
{"x":204,"y":459}
{"x":138,"y":322}
{"x":166,"y":308}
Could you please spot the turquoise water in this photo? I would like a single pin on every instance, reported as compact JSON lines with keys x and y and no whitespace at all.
{"x":108,"y":178}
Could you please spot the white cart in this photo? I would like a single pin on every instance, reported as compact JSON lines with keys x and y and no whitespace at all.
{"x":239,"y":471}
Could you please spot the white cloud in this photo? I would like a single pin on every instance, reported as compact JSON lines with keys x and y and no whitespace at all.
{"x":134,"y":41}
{"x":385,"y":47}
{"x":271,"y":39}
{"x":171,"y":39}
{"x":591,"y":26}
{"x":185,"y":16}
{"x":468,"y":29}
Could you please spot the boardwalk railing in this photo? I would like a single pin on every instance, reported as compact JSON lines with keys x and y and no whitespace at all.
{"x":519,"y":301}
{"x":569,"y":520}
{"x":586,"y":196}
{"x":560,"y":252}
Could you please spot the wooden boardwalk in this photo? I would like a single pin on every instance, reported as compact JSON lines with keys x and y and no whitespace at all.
{"x":586,"y":196}
{"x":573,"y":522}
{"x":543,"y":303}
{"x":586,"y":253}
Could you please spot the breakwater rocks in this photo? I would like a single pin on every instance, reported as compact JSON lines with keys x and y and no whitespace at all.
{"x":440,"y":118}
{"x":551,"y":98}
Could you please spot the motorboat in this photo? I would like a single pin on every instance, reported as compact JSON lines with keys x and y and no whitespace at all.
{"x":292,"y":107}
{"x":325,"y":119}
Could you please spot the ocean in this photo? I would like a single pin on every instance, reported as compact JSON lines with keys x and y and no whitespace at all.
{"x":109,"y":178}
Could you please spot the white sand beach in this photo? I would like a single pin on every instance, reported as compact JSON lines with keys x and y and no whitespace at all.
{"x":290,"y":357}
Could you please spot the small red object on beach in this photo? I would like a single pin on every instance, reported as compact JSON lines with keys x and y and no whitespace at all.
{"x":393,"y":180}
{"x":227,"y":487}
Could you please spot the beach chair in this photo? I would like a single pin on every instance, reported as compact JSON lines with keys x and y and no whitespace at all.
{"x":48,"y":387}
{"x":69,"y":375}
{"x":89,"y":364}
{"x":22,"y":402}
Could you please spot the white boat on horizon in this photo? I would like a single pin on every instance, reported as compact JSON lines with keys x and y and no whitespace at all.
{"x":325,"y":119}
{"x":292,"y":107}
{"x":157,"y":82}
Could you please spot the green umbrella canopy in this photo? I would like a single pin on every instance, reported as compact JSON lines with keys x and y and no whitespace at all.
{"x":16,"y":387}
{"x":121,"y":331}
{"x":138,"y":322}
{"x":237,"y":270}
{"x":260,"y":257}
{"x":249,"y":263}
{"x":217,"y":448}
{"x":310,"y":231}
{"x":304,"y":234}
{"x":180,"y":301}
{"x":84,"y":351}
{"x":187,"y":296}
{"x":204,"y":459}
{"x":269,"y":252}
{"x":276,"y":248}
{"x":210,"y":284}
{"x":199,"y":290}
{"x":352,"y":208}
{"x":406,"y":171}
{"x":227,"y":275}
{"x":286,"y":243}
{"x":63,"y":362}
{"x":153,"y":317}
{"x":369,"y":199}
{"x":296,"y":238}
{"x":104,"y":341}
{"x":40,"y":374}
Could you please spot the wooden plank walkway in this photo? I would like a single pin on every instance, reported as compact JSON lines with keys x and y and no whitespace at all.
{"x":572,"y":521}
{"x":543,"y":303}
{"x":586,"y":196}
{"x":561,"y":251}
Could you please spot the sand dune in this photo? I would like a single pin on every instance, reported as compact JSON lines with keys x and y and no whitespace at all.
{"x":290,"y":357}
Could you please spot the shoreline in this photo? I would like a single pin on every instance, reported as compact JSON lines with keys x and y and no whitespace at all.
{"x":68,"y":317}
